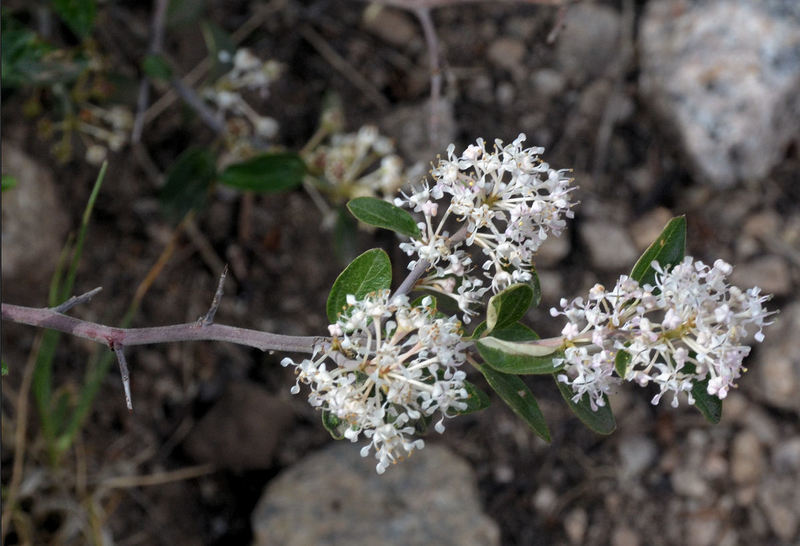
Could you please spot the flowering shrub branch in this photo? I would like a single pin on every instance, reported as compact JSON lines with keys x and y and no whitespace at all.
{"x":392,"y":365}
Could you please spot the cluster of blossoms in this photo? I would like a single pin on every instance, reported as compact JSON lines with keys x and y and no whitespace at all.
{"x":248,"y":73}
{"x":689,"y":327}
{"x":362,"y":164}
{"x":390,"y":366}
{"x":508,"y":201}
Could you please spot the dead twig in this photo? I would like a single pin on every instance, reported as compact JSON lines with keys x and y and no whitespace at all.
{"x":156,"y":45}
{"x":209,"y":318}
{"x":123,"y":372}
{"x":77,"y":300}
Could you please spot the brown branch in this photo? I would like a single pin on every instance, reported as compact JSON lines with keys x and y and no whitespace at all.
{"x":121,"y":337}
{"x":422,"y":266}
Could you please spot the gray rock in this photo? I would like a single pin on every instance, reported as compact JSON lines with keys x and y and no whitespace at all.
{"x":394,"y":26}
{"x":770,"y":273}
{"x":778,"y":365}
{"x":548,"y":82}
{"x":625,"y":536}
{"x":507,"y":53}
{"x":241,"y":431}
{"x":589,"y":42}
{"x":335,"y":497}
{"x":780,"y":499}
{"x":786,"y":457}
{"x":747,"y":458}
{"x":609,"y":245}
{"x":34,"y":227}
{"x":636,"y":453}
{"x":724,"y":74}
{"x":646,"y":229}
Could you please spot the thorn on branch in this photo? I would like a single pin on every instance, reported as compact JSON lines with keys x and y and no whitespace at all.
{"x":209,"y":318}
{"x":76,"y":300}
{"x":123,"y":370}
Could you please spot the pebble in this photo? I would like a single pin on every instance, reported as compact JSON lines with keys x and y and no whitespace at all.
{"x":334,"y":496}
{"x":786,"y":456}
{"x":770,"y":273}
{"x":747,"y":458}
{"x":34,"y":227}
{"x":507,"y":53}
{"x":609,"y":245}
{"x":548,"y":83}
{"x":553,"y":250}
{"x":241,"y":431}
{"x":575,"y":523}
{"x":394,"y":26}
{"x":625,"y":536}
{"x":702,"y":530}
{"x":646,"y":229}
{"x":724,"y":75}
{"x":778,"y":365}
{"x":589,"y":42}
{"x":780,"y":500}
{"x":636,"y":454}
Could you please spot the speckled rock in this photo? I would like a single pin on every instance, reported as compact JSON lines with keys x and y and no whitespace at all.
{"x":34,"y":227}
{"x":724,"y":74}
{"x":335,"y":497}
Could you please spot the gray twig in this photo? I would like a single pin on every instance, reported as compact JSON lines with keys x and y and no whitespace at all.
{"x":123,"y":371}
{"x":431,"y":39}
{"x":191,"y":98}
{"x":76,"y":300}
{"x":156,"y":44}
{"x":209,"y":318}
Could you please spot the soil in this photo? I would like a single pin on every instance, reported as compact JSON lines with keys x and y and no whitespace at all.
{"x":282,"y":267}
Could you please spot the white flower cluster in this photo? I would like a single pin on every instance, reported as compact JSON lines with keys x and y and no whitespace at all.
{"x":689,"y":327}
{"x":509,"y":202}
{"x":106,"y":129}
{"x":362,"y":164}
{"x":390,"y":365}
{"x":248,"y":73}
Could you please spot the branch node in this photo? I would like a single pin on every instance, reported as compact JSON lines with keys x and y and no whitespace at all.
{"x":209,"y":318}
{"x":76,"y":300}
{"x":123,"y":370}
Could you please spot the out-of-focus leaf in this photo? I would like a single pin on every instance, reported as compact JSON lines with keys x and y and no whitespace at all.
{"x":78,"y":14}
{"x":156,"y":67}
{"x":621,"y":362}
{"x":377,"y":212}
{"x":266,"y":173}
{"x":668,"y":250}
{"x":334,"y":425}
{"x":221,"y":49}
{"x":477,"y":400}
{"x":188,"y":182}
{"x":600,"y":421}
{"x":370,"y":272}
{"x":182,"y":12}
{"x":8,"y":182}
{"x":708,"y":404}
{"x":508,"y":306}
{"x":518,"y":396}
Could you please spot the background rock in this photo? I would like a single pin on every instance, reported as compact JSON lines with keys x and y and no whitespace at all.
{"x":335,"y":497}
{"x":725,"y":74}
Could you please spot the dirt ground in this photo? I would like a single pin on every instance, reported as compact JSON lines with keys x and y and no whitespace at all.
{"x":282,"y":268}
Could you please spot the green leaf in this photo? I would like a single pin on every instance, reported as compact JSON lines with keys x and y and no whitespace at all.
{"x":377,"y":212}
{"x":477,"y":400}
{"x":4,"y":369}
{"x":333,"y":424}
{"x":345,"y":237}
{"x":621,"y":362}
{"x":188,"y":182}
{"x":508,"y":306}
{"x":182,"y":12}
{"x":519,"y":348}
{"x":157,"y":67}
{"x":518,"y":396}
{"x":268,"y":173}
{"x":8,"y":182}
{"x":600,"y":421}
{"x":708,"y":404}
{"x":221,"y":49}
{"x":370,"y":272}
{"x":668,"y":250}
{"x":517,"y":363}
{"x":537,"y":289}
{"x":78,"y":14}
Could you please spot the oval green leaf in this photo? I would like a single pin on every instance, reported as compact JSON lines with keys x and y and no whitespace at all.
{"x":519,"y":398}
{"x":600,"y":421}
{"x":517,"y":363}
{"x":369,"y":272}
{"x":377,"y":212}
{"x":477,"y":400}
{"x":508,"y":306}
{"x":621,"y":362}
{"x":188,"y":181}
{"x":78,"y":14}
{"x":668,"y":250}
{"x":266,"y":173}
{"x":708,"y":404}
{"x":333,"y":425}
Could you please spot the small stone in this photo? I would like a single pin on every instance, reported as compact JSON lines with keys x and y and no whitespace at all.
{"x":335,"y":497}
{"x":780,"y":500}
{"x":747,"y":458}
{"x":548,"y":83}
{"x":505,"y":93}
{"x":34,"y":227}
{"x":636,"y":454}
{"x":763,"y":224}
{"x":625,"y":536}
{"x":609,"y":245}
{"x":724,"y":75}
{"x":589,"y":42}
{"x":702,"y":530}
{"x":778,"y":366}
{"x":545,"y":500}
{"x":770,"y":273}
{"x":646,"y":229}
{"x":553,"y":250}
{"x":786,"y":457}
{"x":392,"y":25}
{"x":507,"y":53}
{"x":575,"y":523}
{"x":689,"y":483}
{"x":241,"y":431}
